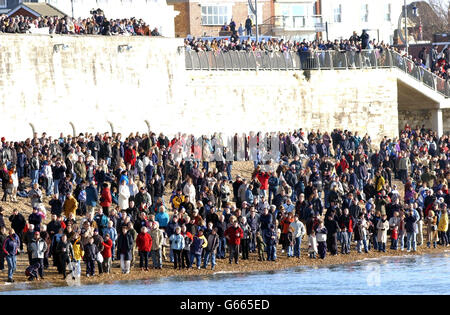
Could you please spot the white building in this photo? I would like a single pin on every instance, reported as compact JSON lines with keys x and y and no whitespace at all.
{"x":297,"y":19}
{"x":379,"y":17}
{"x":156,"y":13}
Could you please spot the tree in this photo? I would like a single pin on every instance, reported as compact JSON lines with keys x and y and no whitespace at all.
{"x":434,"y":17}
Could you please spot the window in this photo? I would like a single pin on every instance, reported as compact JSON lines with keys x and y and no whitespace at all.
{"x":365,"y":13}
{"x":388,"y":12}
{"x":338,"y":14}
{"x":3,"y":3}
{"x":216,"y":14}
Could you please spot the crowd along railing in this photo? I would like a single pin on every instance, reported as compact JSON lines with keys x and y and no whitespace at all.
{"x":313,"y":60}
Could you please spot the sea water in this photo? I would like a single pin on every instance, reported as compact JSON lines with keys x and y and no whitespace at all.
{"x":427,"y":274}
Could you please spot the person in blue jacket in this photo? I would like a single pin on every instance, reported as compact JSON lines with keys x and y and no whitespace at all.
{"x":176,"y":245}
{"x":10,"y":248}
{"x":91,"y":196}
{"x":272,"y":241}
{"x":162,"y":217}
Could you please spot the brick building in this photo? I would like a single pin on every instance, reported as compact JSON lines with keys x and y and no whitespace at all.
{"x":206,"y":17}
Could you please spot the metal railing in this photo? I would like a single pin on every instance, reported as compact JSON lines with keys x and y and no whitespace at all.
{"x":313,"y":60}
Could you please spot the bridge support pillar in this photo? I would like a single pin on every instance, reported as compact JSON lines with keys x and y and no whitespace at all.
{"x":437,"y":123}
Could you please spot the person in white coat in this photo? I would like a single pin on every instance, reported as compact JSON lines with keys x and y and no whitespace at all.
{"x":383,"y":227}
{"x":189,"y":190}
{"x":124,"y":195}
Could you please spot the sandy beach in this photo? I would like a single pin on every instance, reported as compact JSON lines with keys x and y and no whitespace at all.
{"x":243,"y":168}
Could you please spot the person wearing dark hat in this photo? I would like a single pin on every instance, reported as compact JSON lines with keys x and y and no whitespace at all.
{"x":38,"y":247}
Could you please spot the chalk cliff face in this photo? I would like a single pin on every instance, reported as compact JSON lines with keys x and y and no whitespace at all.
{"x":96,"y":88}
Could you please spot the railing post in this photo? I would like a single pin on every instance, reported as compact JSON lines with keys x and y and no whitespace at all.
{"x":224,"y":62}
{"x":246,"y":58}
{"x":374,"y":52}
{"x":190,"y":58}
{"x":330,"y":54}
{"x":238,"y":59}
{"x":199,"y":61}
{"x":316,"y":58}
{"x":215,"y":60}
{"x":345,"y":60}
{"x":256,"y":63}
{"x":208,"y":60}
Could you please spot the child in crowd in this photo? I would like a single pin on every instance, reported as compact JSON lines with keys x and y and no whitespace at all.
{"x":290,"y":241}
{"x":32,"y":271}
{"x":272,"y":237}
{"x":260,"y":245}
{"x":321,"y":235}
{"x":344,"y":241}
{"x":312,"y":247}
{"x":394,"y":238}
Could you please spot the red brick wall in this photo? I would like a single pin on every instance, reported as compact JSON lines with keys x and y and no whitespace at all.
{"x":182,"y":19}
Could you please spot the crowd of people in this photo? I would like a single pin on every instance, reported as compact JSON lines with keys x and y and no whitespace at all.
{"x":432,"y":60}
{"x":97,"y":24}
{"x":439,"y":63}
{"x":107,"y":199}
{"x":355,"y":43}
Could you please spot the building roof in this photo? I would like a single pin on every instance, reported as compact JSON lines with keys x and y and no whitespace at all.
{"x":38,"y":9}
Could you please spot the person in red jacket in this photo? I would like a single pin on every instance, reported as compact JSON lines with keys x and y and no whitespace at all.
{"x":234,"y":235}
{"x":107,"y":253}
{"x":130,"y":156}
{"x":106,"y":199}
{"x":263,"y":178}
{"x":144,"y":245}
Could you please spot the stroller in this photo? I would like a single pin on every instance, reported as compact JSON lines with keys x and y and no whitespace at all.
{"x":32,"y":271}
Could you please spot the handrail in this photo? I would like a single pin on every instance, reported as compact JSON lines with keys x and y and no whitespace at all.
{"x":316,"y":60}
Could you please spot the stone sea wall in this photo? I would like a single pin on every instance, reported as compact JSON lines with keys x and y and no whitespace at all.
{"x":422,"y":117}
{"x":92,"y":86}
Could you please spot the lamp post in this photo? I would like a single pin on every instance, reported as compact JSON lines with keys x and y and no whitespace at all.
{"x":406,"y":28}
{"x":405,"y":14}
{"x":256,"y":19}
